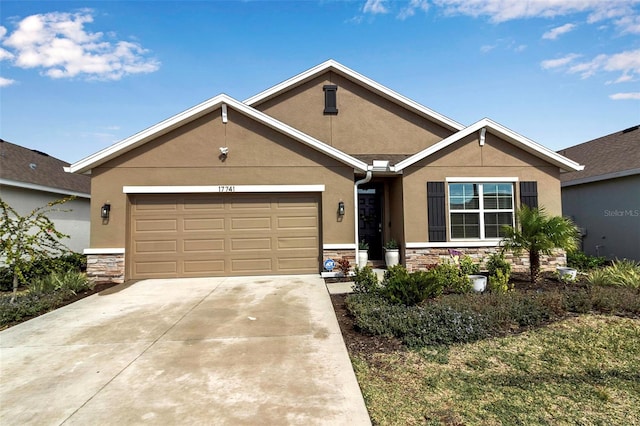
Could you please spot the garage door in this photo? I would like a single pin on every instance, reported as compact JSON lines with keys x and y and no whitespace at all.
{"x":223,"y":234}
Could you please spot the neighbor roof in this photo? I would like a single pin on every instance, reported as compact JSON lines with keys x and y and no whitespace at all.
{"x":614,"y":155}
{"x":28,"y":168}
{"x":360,"y":79}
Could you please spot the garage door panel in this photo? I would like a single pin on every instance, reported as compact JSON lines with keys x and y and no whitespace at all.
{"x":250,"y":244}
{"x":202,"y":224}
{"x":156,"y":225}
{"x":203,"y":266}
{"x":251,"y":223}
{"x":189,"y":235}
{"x":156,"y":246}
{"x":213,"y":246}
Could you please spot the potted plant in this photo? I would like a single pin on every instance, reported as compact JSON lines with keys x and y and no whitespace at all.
{"x":391,"y":253}
{"x":363,"y":254}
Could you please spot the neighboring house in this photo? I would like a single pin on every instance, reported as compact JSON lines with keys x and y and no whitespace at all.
{"x":31,"y":179}
{"x":302,"y":171}
{"x":604,"y":198}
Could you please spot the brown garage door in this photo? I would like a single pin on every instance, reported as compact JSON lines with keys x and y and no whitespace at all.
{"x":196,"y":235}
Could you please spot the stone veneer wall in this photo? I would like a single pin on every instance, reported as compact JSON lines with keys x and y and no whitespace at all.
{"x":105,"y":268}
{"x":422,"y":258}
{"x":338,"y":254}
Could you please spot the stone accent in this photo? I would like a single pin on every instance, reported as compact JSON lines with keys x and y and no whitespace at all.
{"x":423,"y":258}
{"x":338,"y":254}
{"x":103,"y":268}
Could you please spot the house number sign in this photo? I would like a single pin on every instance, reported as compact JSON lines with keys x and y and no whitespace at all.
{"x":226,"y":188}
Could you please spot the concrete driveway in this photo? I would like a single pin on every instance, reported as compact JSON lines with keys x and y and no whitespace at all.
{"x":259,"y":351}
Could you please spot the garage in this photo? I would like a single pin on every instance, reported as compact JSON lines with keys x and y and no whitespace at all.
{"x":222,"y":234}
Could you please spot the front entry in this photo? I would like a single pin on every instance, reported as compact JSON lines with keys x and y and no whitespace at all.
{"x":370,"y":218}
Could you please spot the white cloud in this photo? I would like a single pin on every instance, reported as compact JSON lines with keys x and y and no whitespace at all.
{"x":375,"y":7}
{"x":4,"y":82}
{"x":625,"y":96}
{"x":411,"y":8}
{"x":59,"y":44}
{"x":5,"y":54}
{"x":559,"y":62}
{"x":487,"y":48}
{"x":3,"y":31}
{"x":558,"y":31}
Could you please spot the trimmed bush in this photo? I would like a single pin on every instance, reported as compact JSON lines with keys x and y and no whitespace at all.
{"x":583,"y":262}
{"x":451,"y":278}
{"x":365,"y":281}
{"x":409,"y":289}
{"x":43,"y":266}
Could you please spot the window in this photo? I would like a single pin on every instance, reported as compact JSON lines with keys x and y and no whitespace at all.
{"x":330,"y":99}
{"x":480,"y":210}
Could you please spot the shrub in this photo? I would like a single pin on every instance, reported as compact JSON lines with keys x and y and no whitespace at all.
{"x":578,"y":301}
{"x":583,"y":262}
{"x":499,"y":282}
{"x":344,"y":266}
{"x":468,"y":267}
{"x":623,"y":273}
{"x":497,"y":262}
{"x":43,"y":266}
{"x":365,"y":280}
{"x":30,"y":305}
{"x":617,"y":300}
{"x":409,"y":289}
{"x":449,"y":277}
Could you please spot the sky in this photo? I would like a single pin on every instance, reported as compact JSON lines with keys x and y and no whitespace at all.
{"x":76,"y":77}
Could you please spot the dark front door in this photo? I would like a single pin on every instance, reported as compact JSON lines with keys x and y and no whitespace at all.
{"x":370,"y":218}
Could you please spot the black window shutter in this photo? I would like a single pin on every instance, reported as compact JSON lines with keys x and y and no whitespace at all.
{"x":330,"y":99}
{"x":529,"y":194}
{"x":437,"y":215}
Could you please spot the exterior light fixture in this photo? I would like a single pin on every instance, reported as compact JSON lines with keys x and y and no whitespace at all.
{"x":341,"y":208}
{"x":104,"y":211}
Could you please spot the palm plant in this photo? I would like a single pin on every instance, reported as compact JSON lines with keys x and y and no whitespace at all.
{"x":539,"y":234}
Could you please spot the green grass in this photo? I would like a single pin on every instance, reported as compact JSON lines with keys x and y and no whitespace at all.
{"x":582,"y":370}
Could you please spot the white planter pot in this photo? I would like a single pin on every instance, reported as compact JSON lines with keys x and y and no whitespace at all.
{"x":566,"y":273}
{"x":363,"y":258}
{"x":392,"y":257}
{"x":479,"y":282}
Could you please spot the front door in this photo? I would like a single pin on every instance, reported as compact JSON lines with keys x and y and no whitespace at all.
{"x":370,"y":218}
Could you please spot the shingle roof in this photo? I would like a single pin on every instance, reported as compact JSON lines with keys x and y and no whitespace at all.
{"x":37,"y":168}
{"x":605,"y":156}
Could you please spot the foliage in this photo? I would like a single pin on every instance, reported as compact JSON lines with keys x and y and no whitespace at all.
{"x":468,"y":266}
{"x":24,"y":239}
{"x":401,"y":287}
{"x":391,"y":244}
{"x":497,"y":262}
{"x":451,"y":279}
{"x":45,"y":294}
{"x":583,"y":262}
{"x":44,"y":266}
{"x":622,"y":273}
{"x":365,"y":280}
{"x":499,"y":282}
{"x":363,"y":245}
{"x":344,"y":266}
{"x":539,"y":234}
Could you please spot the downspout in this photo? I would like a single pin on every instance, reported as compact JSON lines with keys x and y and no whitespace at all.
{"x":366,"y":179}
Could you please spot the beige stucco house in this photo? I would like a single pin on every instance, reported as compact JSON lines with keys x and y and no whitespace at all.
{"x":300,"y":173}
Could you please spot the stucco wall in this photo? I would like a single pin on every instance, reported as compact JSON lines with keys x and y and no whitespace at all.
{"x":466,"y":158}
{"x":74,"y":223}
{"x":190,"y":156}
{"x":366,"y":123}
{"x":609,"y":213}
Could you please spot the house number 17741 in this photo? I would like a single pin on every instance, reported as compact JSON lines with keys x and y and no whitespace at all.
{"x":226,"y":188}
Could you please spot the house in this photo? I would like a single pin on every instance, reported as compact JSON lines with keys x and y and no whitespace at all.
{"x":31,"y":179}
{"x":300,"y":173}
{"x":604,"y":198}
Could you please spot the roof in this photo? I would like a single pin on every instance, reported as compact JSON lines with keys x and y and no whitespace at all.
{"x":607,"y":157}
{"x":28,"y":168}
{"x":360,"y":79}
{"x":504,"y":133}
{"x":197,"y":111}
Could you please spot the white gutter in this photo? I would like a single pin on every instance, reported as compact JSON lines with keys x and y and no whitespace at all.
{"x":366,"y":179}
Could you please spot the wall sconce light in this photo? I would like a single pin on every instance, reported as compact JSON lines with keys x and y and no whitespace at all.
{"x":341,"y":208}
{"x":104,"y":211}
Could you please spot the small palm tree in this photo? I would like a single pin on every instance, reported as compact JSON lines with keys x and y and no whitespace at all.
{"x":539,"y":234}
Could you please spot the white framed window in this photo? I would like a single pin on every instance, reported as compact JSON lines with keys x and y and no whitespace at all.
{"x":479,"y":210}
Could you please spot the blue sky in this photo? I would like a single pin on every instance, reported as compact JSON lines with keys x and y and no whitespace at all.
{"x":76,"y":77}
